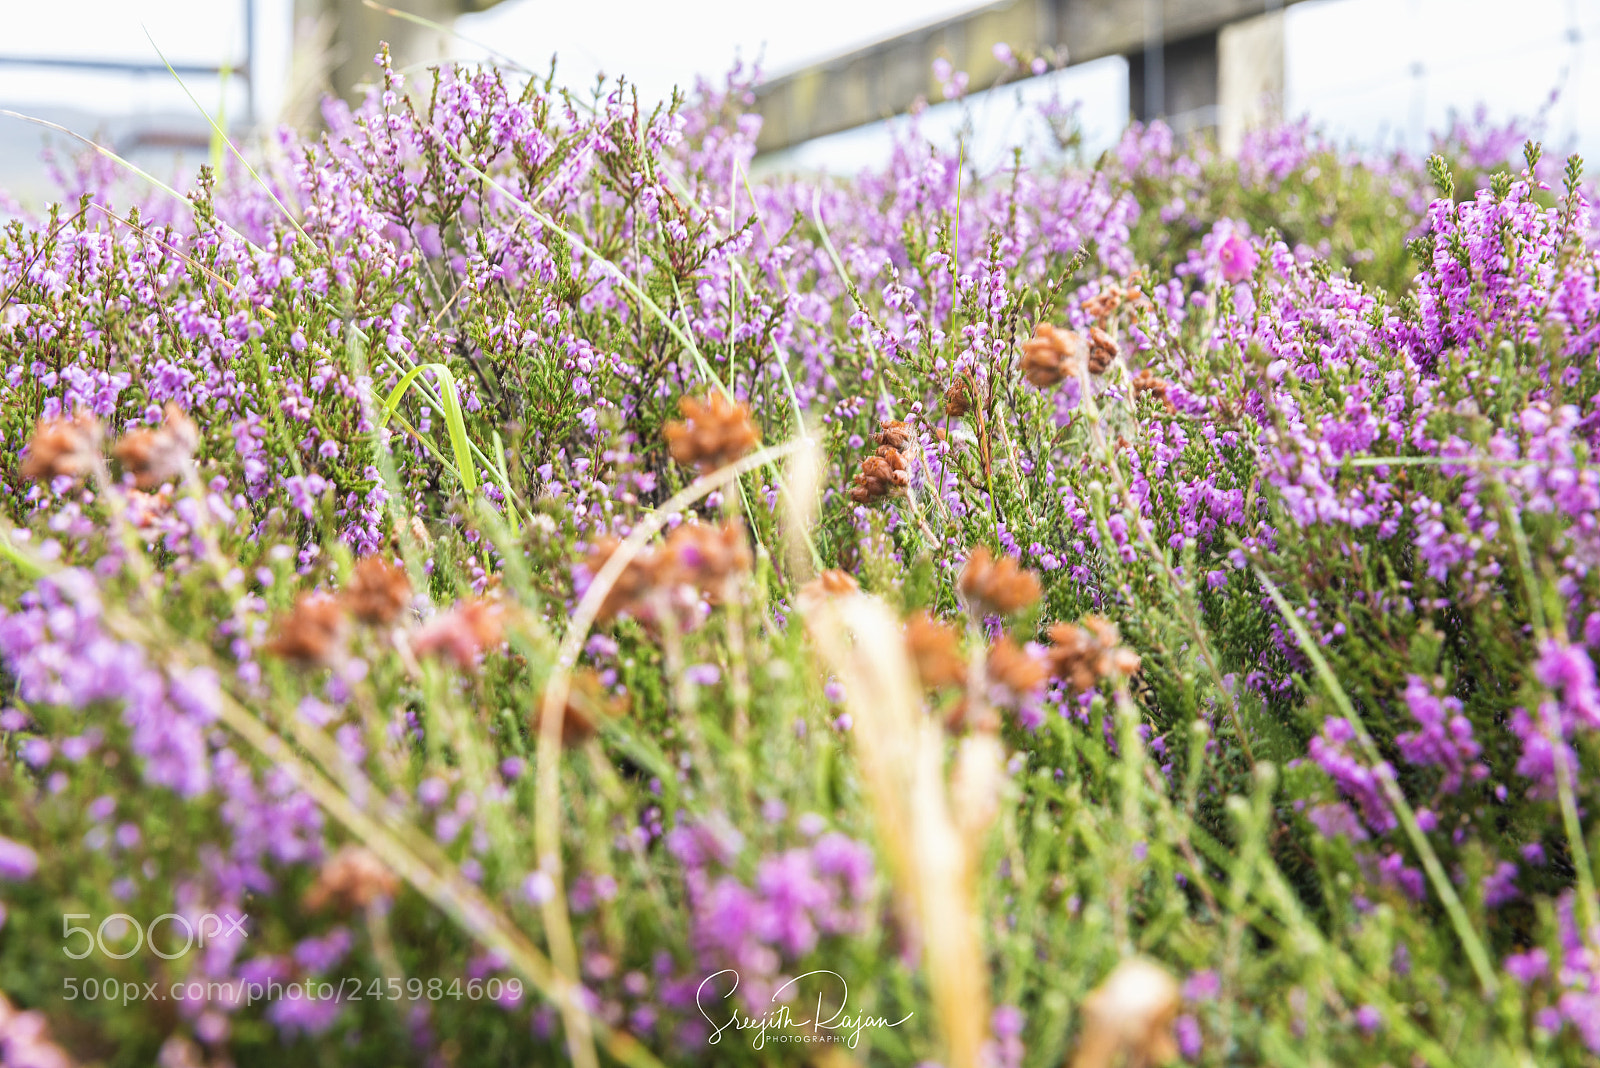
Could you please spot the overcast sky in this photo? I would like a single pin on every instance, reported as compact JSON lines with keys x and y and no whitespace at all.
{"x":1369,"y":70}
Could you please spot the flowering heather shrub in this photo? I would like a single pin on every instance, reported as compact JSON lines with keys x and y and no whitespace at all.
{"x":504,"y":578}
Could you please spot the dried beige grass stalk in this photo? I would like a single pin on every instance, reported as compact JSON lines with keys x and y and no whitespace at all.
{"x":801,"y":489}
{"x":1128,"y":1019}
{"x":902,"y":754}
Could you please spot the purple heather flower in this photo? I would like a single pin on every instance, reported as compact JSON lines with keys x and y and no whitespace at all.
{"x":1355,"y":780}
{"x":1528,"y":967}
{"x":839,"y":855}
{"x":1444,"y":739}
{"x":1337,"y":821}
{"x":1500,"y":886}
{"x":103,"y":808}
{"x":538,"y":888}
{"x":1186,"y":1029}
{"x":302,"y":1015}
{"x":1203,"y":985}
{"x":432,"y":792}
{"x":17,"y":861}
{"x":320,"y":954}
{"x":1236,"y":258}
{"x":703,"y":674}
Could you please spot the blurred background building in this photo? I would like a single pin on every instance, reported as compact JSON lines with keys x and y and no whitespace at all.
{"x":1380,"y":72}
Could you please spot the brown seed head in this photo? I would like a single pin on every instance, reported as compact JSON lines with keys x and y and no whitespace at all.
{"x":1083,"y":655}
{"x":957,"y":400}
{"x":1100,"y":306}
{"x":824,"y":588}
{"x":312,"y":633}
{"x":63,"y":447}
{"x":714,"y":433}
{"x":1146,"y":382}
{"x":897,"y":434}
{"x":647,"y":572}
{"x":462,"y":633}
{"x":935,"y":649}
{"x":707,"y":557}
{"x":378,"y":591}
{"x":144,"y":509}
{"x":588,"y":705}
{"x":159,"y":455}
{"x":352,"y":878}
{"x":835,"y":583}
{"x":1010,"y":666}
{"x":966,"y":715}
{"x":883,"y":474}
{"x":1128,"y":1019}
{"x":1051,"y":355}
{"x":1103,"y":348}
{"x":997,"y":587}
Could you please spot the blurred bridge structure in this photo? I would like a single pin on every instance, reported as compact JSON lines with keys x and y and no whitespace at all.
{"x":1198,"y":64}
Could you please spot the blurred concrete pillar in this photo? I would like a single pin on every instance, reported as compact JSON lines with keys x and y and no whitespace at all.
{"x":1249,"y":77}
{"x":1184,"y":93}
{"x":335,"y":41}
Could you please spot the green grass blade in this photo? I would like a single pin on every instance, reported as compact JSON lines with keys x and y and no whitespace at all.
{"x":1470,"y":942}
{"x":449,"y":401}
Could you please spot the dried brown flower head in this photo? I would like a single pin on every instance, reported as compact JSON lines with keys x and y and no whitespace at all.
{"x":834,"y":583}
{"x":967,"y":715}
{"x":826,"y":586}
{"x":63,"y":447}
{"x":957,"y":400}
{"x":1128,"y":1019}
{"x":462,"y":633}
{"x":1011,"y":666}
{"x":588,"y":705}
{"x":145,"y":509}
{"x":1101,"y":306}
{"x":883,"y":474}
{"x":352,"y":878}
{"x":1084,"y":654}
{"x":897,"y":434}
{"x":707,"y":557}
{"x":1103,"y":348}
{"x":714,"y":433}
{"x":1051,"y":355}
{"x":378,"y":591}
{"x":935,"y":650}
{"x":313,"y":631}
{"x":1146,"y":382}
{"x":647,"y":572}
{"x":419,"y":530}
{"x":997,"y":587}
{"x":159,"y":455}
